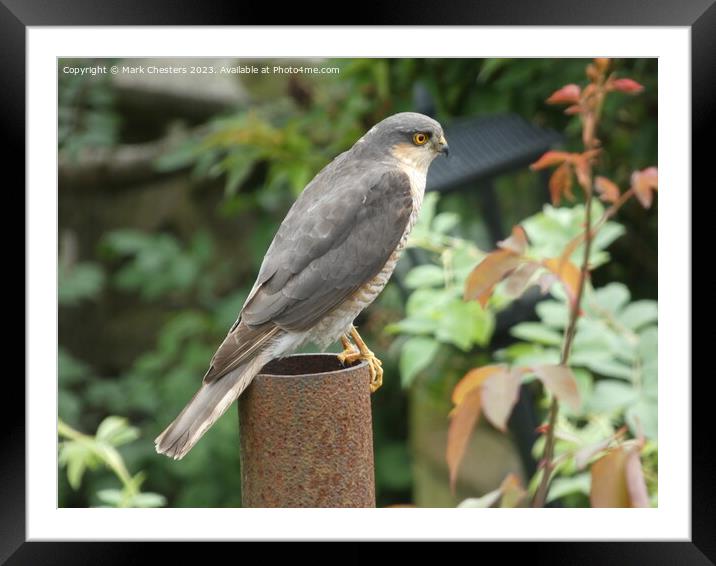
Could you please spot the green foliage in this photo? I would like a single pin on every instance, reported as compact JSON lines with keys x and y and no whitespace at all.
{"x":554,"y":227}
{"x":86,"y":111}
{"x":157,"y":264}
{"x":80,"y":452}
{"x":615,"y":345}
{"x":79,"y":282}
{"x":261,"y":158}
{"x":435,"y":313}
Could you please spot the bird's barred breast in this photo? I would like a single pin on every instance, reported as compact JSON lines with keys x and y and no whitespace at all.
{"x":335,"y":324}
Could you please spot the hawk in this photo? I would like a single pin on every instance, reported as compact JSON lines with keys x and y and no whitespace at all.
{"x":330,"y":258}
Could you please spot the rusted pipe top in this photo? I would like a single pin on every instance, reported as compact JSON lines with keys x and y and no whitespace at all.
{"x":306,"y":435}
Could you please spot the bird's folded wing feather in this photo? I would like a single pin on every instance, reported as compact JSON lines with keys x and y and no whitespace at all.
{"x":330,"y":246}
{"x":338,"y":235}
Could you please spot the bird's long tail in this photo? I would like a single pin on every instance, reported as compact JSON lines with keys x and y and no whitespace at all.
{"x":207,"y":405}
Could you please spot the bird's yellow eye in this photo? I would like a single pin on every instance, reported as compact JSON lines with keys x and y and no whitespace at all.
{"x":420,"y":138}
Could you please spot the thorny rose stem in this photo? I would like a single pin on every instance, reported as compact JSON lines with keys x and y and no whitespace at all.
{"x":590,"y":143}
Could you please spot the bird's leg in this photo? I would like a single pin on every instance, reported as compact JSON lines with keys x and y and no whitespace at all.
{"x":350,"y":353}
{"x":360,"y":351}
{"x":374,"y":364}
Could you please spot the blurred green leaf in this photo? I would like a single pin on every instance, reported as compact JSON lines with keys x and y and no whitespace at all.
{"x":424,"y":276}
{"x":536,"y":332}
{"x":116,"y":431}
{"x":80,"y":282}
{"x":638,"y":314}
{"x":417,"y":353}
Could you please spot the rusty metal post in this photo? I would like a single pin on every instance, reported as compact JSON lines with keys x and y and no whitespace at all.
{"x":306,"y":435}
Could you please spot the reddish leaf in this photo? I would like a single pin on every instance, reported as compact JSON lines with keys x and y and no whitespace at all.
{"x":589,"y":91}
{"x":490,"y":271}
{"x":629,"y":86}
{"x":473,"y":379}
{"x":484,"y":297}
{"x":517,"y":242}
{"x":609,"y":486}
{"x":568,"y":94}
{"x":550,"y":159}
{"x":636,"y":486}
{"x":499,"y":395}
{"x":462,"y":422}
{"x":568,"y":250}
{"x":592,"y":72}
{"x":589,"y":126}
{"x":560,"y":381}
{"x":618,"y":480}
{"x":574,"y":109}
{"x":608,"y":191}
{"x":643,"y":183}
{"x":602,"y":63}
{"x":583,"y":170}
{"x":560,"y":182}
{"x":568,"y":273}
{"x":520,"y":278}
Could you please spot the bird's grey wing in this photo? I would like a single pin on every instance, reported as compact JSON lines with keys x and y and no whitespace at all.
{"x":341,"y":237}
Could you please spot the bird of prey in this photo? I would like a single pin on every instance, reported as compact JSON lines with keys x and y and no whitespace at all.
{"x":330,"y":258}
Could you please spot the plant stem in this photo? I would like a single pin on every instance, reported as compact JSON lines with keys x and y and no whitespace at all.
{"x":590,"y":143}
{"x":548,"y":459}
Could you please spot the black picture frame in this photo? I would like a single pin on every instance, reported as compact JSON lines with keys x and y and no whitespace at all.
{"x":17,"y":15}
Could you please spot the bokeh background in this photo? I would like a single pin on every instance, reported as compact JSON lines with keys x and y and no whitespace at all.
{"x":171,"y":188}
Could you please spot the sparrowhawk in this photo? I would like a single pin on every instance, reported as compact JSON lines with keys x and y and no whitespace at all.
{"x":330,"y":258}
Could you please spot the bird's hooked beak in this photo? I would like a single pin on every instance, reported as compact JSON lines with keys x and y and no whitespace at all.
{"x":443,"y":146}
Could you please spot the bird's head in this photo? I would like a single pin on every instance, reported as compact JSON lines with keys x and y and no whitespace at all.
{"x":412,"y":138}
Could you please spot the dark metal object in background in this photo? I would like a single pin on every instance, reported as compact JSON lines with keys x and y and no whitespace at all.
{"x":487,"y":146}
{"x":306,"y":435}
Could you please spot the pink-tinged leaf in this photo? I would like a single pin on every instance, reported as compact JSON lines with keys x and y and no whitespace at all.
{"x":462,"y":421}
{"x":560,"y":183}
{"x":568,"y":250}
{"x":607,"y":190}
{"x":589,"y":127}
{"x":512,"y":491}
{"x":560,"y":381}
{"x":574,"y":109}
{"x":483,"y":502}
{"x":609,"y":486}
{"x":629,"y":86}
{"x":636,"y":486}
{"x":518,"y":281}
{"x":568,"y":273}
{"x":550,"y":159}
{"x":592,"y":73}
{"x":583,"y":455}
{"x":583,"y":170}
{"x":490,"y":271}
{"x":644,"y":183}
{"x":509,"y":494}
{"x":545,"y":282}
{"x":517,"y":242}
{"x":484,"y":297}
{"x":602,"y":63}
{"x":568,"y":94}
{"x":474,"y":379}
{"x":499,"y":395}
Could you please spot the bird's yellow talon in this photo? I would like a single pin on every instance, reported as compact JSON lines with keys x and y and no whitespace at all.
{"x":349,"y":354}
{"x":360,"y":352}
